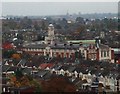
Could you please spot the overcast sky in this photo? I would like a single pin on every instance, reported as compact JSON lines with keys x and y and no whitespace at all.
{"x":57,"y":8}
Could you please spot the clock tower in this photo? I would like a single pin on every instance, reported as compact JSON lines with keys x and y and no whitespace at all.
{"x":49,"y":39}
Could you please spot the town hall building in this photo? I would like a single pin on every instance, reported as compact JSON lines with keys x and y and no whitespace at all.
{"x":52,"y":47}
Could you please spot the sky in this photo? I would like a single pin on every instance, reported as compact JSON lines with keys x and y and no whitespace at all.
{"x":56,"y":8}
{"x":60,"y":0}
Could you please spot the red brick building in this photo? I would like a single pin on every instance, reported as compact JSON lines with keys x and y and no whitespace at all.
{"x":52,"y":48}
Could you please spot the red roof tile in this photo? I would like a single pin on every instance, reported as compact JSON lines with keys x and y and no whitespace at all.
{"x":7,"y":46}
{"x":45,"y":65}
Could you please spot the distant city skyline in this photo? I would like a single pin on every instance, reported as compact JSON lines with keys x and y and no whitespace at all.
{"x":57,"y":8}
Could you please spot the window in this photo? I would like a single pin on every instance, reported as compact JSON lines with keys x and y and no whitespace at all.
{"x":101,"y":53}
{"x":54,"y":54}
{"x":108,"y":53}
{"x":104,"y":53}
{"x":80,"y":51}
{"x":83,"y":51}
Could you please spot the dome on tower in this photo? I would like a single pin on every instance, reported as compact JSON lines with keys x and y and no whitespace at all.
{"x":51,"y":25}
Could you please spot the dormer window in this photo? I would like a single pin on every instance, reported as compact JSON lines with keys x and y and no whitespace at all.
{"x":71,"y":44}
{"x":80,"y":43}
{"x":65,"y":44}
{"x":55,"y":44}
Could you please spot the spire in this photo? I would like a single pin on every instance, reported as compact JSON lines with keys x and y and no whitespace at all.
{"x":67,"y":13}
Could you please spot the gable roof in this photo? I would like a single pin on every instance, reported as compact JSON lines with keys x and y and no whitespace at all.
{"x":45,"y":65}
{"x":6,"y":68}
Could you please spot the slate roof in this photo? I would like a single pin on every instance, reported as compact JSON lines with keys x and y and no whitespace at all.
{"x":102,"y":46}
{"x":7,"y":68}
{"x":118,"y":77}
{"x":42,"y":73}
{"x":57,"y":67}
{"x":29,"y":64}
{"x":36,"y":46}
{"x":23,"y":62}
{"x":48,"y":75}
{"x":61,"y":46}
{"x":27,"y":70}
{"x":78,"y":69}
{"x":64,"y":67}
{"x":71,"y":69}
{"x":77,"y":81}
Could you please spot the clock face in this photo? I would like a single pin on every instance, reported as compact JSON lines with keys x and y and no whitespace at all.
{"x":51,"y":28}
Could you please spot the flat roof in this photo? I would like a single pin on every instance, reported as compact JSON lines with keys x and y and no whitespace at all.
{"x":83,"y":41}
